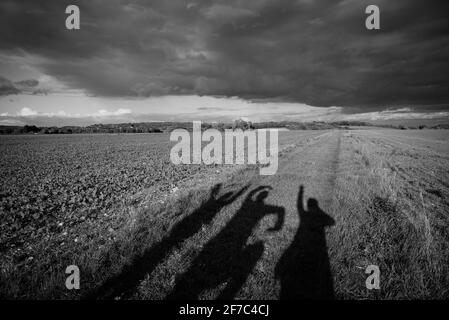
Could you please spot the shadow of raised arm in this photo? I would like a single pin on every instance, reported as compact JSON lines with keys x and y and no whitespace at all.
{"x":300,"y":200}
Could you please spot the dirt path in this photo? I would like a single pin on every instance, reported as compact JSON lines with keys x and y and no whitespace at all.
{"x":313,"y":166}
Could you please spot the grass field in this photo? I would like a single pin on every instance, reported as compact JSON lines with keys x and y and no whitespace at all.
{"x":140,"y":227}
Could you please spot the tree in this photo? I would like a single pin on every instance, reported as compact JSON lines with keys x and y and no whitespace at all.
{"x":242,"y":124}
{"x":28,"y":129}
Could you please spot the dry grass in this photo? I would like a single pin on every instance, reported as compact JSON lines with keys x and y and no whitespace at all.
{"x":383,"y":218}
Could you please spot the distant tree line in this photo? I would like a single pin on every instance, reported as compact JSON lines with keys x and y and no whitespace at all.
{"x":96,"y":128}
{"x":158,"y":127}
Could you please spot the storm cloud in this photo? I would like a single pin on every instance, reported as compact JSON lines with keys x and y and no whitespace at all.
{"x":313,"y":52}
{"x":8,"y":87}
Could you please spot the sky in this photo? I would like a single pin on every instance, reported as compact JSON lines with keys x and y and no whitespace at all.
{"x":265,"y":60}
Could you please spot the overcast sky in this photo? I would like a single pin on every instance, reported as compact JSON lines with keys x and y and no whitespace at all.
{"x":220,"y":60}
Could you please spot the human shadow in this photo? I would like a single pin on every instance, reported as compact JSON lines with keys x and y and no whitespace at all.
{"x":125,"y":282}
{"x":227,"y":258}
{"x":304,"y":268}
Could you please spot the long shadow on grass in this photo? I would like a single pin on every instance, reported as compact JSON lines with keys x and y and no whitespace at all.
{"x":304,"y":269}
{"x":227,"y":258}
{"x":124,"y":284}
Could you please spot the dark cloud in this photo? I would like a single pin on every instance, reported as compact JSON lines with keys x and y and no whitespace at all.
{"x":25,"y":85}
{"x":7,"y":87}
{"x":316,"y":52}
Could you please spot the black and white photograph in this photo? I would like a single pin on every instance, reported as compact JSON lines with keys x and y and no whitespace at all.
{"x":253,"y":151}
